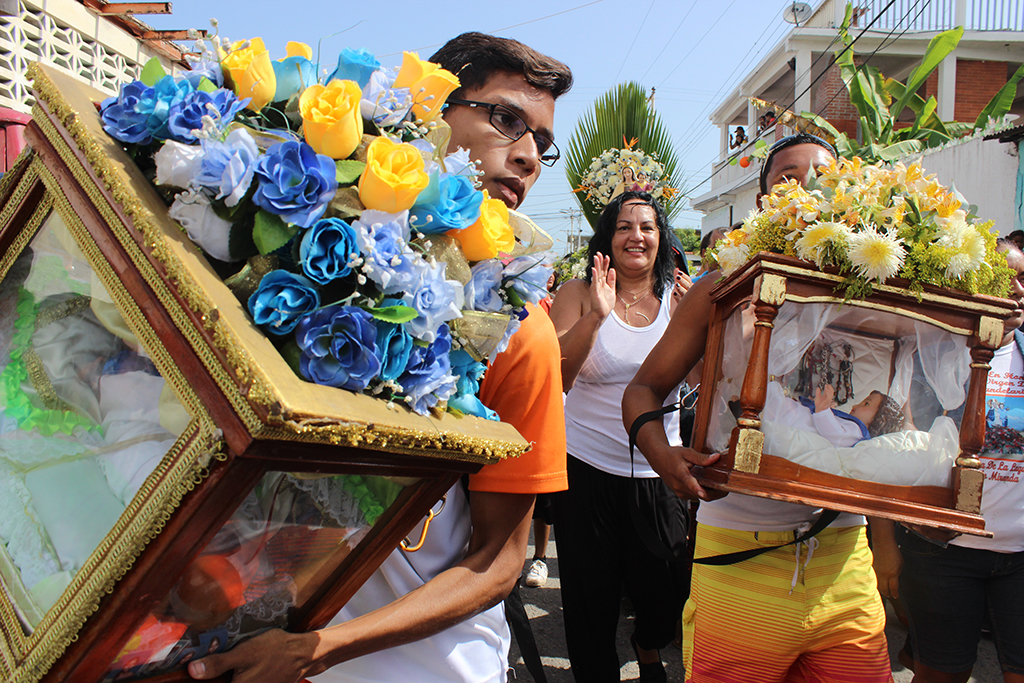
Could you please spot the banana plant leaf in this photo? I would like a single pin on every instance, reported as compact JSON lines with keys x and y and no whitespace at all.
{"x":940,"y":46}
{"x":1000,"y":104}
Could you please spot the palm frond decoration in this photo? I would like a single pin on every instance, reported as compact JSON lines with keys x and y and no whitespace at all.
{"x":623,"y":123}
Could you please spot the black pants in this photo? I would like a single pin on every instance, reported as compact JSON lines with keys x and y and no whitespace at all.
{"x":599,"y":557}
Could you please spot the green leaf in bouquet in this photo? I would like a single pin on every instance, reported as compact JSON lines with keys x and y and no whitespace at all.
{"x":514,"y":298}
{"x":206,"y":85}
{"x":152,"y":72}
{"x":394,"y":314}
{"x":271,"y":233}
{"x":348,"y":171}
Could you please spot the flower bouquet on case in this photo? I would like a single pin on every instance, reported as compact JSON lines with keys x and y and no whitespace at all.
{"x":873,"y":222}
{"x":334,"y":211}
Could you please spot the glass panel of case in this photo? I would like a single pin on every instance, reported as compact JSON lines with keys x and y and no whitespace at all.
{"x":85,"y":417}
{"x":858,"y":392}
{"x":288,"y":535}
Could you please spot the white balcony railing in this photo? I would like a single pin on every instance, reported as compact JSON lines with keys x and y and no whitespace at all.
{"x":935,"y":15}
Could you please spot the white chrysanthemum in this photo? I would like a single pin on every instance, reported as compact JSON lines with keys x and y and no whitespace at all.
{"x":731,"y":257}
{"x":816,"y":238}
{"x":876,"y":255}
{"x":967,"y":244}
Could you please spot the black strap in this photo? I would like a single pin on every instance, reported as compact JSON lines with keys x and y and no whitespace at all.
{"x":639,"y":422}
{"x":515,"y":614}
{"x":826,"y":518}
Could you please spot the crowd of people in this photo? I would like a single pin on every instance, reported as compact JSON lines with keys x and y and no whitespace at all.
{"x":619,"y":344}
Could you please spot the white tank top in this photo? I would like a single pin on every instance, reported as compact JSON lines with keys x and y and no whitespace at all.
{"x":593,"y":407}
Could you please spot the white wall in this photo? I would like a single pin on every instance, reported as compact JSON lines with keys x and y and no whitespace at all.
{"x":985,"y":173}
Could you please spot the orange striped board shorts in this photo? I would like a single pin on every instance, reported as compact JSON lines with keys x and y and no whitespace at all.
{"x":802,"y":613}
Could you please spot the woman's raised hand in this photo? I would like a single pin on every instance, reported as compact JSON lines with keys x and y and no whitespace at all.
{"x":602,"y":286}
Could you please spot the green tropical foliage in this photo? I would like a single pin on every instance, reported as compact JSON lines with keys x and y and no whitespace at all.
{"x":617,"y":117}
{"x":880,"y":101}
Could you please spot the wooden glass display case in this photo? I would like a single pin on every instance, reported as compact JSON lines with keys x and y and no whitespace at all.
{"x":780,"y":330}
{"x":168,"y":485}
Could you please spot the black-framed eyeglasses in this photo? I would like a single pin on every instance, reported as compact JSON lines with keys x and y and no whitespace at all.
{"x":512,"y":126}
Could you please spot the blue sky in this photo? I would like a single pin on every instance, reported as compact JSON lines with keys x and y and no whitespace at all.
{"x":692,"y":51}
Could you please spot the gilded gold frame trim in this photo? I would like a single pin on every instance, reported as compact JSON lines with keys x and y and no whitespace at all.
{"x":258,"y":389}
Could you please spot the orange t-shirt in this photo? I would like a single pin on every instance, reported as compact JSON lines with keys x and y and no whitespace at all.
{"x":524,"y":386}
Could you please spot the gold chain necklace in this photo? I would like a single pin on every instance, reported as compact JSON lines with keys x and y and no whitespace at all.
{"x":633,"y":303}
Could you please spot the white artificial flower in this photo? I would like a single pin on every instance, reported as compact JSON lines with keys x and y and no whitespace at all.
{"x":876,"y":255}
{"x":204,"y":227}
{"x":731,"y":257}
{"x":177,"y":165}
{"x":968,"y":244}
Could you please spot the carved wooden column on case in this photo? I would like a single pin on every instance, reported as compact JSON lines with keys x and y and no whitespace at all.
{"x":747,"y":439}
{"x":968,"y":479}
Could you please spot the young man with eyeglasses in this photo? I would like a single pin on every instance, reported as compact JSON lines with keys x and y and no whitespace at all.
{"x":805,"y":612}
{"x":435,"y":615}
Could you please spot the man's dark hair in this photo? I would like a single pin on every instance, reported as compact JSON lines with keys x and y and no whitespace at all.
{"x":664,"y":262}
{"x":475,"y":57}
{"x":789,"y":141}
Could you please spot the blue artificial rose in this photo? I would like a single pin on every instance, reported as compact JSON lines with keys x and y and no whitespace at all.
{"x":354,"y":65}
{"x":205,"y":68}
{"x":122,"y":116}
{"x":167,"y":94}
{"x":227,"y":167}
{"x":468,"y":373}
{"x":528,"y":277}
{"x":327,"y":249}
{"x":383,"y":104}
{"x":481,"y":291}
{"x":382,"y":240}
{"x":338,"y":345}
{"x":433,"y":297}
{"x":450,"y":202}
{"x":186,"y":115}
{"x":281,"y":299}
{"x":293,"y":74}
{"x":427,"y":378}
{"x":394,"y":345}
{"x":295,"y":183}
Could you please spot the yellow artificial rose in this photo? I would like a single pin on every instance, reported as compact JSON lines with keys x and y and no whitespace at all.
{"x":429,"y":84}
{"x":249,"y":72}
{"x":297,"y":49}
{"x":331,"y":121}
{"x":490,"y":235}
{"x":395,"y":175}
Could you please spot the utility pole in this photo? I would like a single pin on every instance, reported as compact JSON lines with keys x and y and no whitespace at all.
{"x":574,"y":238}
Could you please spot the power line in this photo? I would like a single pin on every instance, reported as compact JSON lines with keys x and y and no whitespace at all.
{"x":689,"y":140}
{"x":698,"y":42}
{"x":669,"y":41}
{"x":808,"y":88}
{"x":883,"y":43}
{"x":637,"y":35}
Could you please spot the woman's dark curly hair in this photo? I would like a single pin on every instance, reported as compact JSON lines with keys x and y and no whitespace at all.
{"x":664,"y":262}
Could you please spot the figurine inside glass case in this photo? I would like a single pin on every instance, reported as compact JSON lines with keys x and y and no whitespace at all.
{"x":85,"y":418}
{"x":859,"y":392}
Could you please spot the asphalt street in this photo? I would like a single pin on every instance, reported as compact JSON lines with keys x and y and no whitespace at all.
{"x":544,"y":607}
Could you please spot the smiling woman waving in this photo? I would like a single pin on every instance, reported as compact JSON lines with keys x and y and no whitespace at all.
{"x":607,"y":324}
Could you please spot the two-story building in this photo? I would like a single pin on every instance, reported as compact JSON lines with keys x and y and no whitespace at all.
{"x":798,"y":74}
